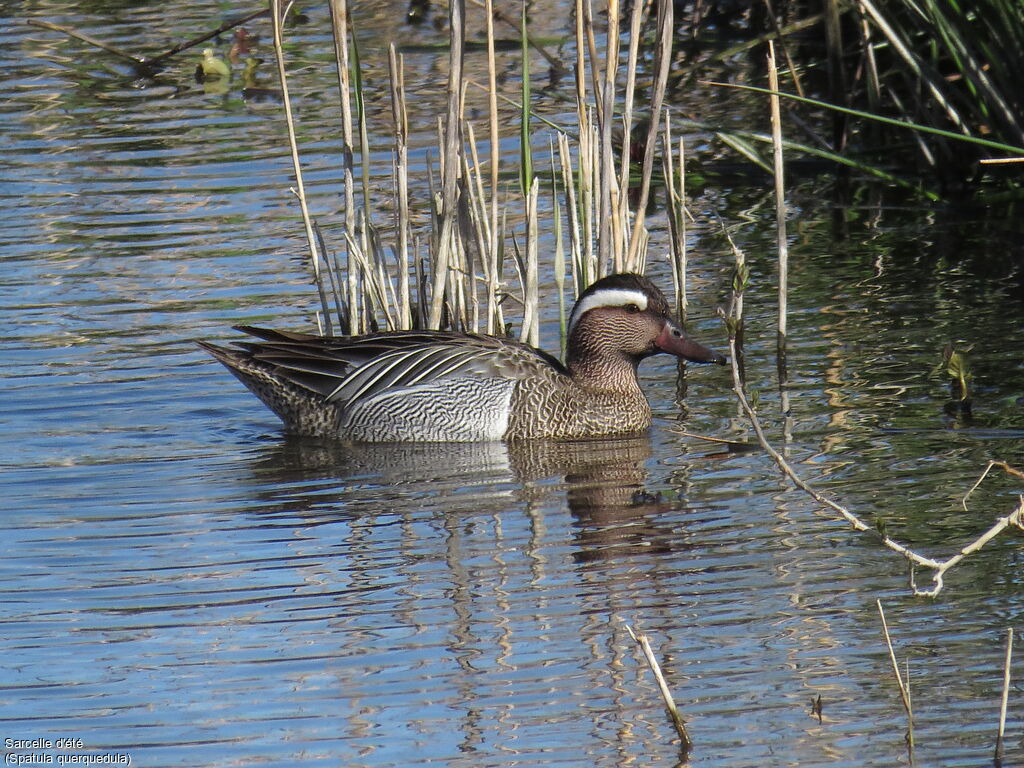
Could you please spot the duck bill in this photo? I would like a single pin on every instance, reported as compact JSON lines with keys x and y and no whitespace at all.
{"x":675,"y":342}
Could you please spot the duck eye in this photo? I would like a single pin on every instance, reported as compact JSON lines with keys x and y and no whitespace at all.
{"x":632,"y":308}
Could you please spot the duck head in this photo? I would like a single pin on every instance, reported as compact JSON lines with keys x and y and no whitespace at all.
{"x":627,"y":315}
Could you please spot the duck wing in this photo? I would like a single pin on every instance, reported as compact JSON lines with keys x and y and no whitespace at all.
{"x":347,"y":370}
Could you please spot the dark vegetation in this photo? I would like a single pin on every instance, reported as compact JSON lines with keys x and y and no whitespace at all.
{"x":930,"y":90}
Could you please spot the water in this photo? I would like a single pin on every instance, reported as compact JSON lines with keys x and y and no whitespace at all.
{"x":184,"y":585}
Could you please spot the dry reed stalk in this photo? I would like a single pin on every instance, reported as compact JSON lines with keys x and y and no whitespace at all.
{"x":332,"y":276}
{"x":401,"y":184}
{"x":609,"y":245}
{"x":452,"y":143}
{"x":573,"y":212}
{"x":741,"y":276}
{"x":493,"y":244}
{"x":581,"y":210}
{"x":1006,"y":695}
{"x":587,"y":161}
{"x":662,"y":60}
{"x":364,"y":137}
{"x":421,"y":279}
{"x":873,"y":87}
{"x":374,"y":282}
{"x":300,"y":190}
{"x":363,"y":219}
{"x":366,"y":295}
{"x":676,"y":204}
{"x":585,"y":35}
{"x":559,"y":258}
{"x":531,"y":303}
{"x":780,"y":198}
{"x":929,"y":79}
{"x":339,"y":27}
{"x":666,"y":693}
{"x":625,"y":156}
{"x":481,"y":226}
{"x":780,"y":34}
{"x":683,"y":268}
{"x":471,"y":232}
{"x":904,"y":685}
{"x":1001,"y":160}
{"x":391,"y":300}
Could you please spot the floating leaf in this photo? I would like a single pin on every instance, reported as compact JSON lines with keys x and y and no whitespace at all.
{"x":213,"y":67}
{"x":959,"y":370}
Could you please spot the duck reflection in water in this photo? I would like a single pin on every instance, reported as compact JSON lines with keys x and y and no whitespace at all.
{"x":604,"y":483}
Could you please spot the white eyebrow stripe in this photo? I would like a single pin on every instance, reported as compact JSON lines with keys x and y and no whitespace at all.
{"x":607,"y":297}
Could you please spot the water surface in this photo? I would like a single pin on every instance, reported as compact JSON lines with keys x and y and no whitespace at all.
{"x":184,"y":584}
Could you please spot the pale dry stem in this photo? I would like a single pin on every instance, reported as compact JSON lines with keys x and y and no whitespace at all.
{"x":1006,"y":695}
{"x":904,"y":684}
{"x":666,"y":693}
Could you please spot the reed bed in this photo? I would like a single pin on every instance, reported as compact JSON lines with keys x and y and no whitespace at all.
{"x":471,"y":269}
{"x":477,"y":266}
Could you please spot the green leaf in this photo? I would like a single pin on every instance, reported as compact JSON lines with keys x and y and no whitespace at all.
{"x":1007,"y":148}
{"x":740,"y":278}
{"x":214,"y":67}
{"x":525,"y":152}
{"x":959,"y":370}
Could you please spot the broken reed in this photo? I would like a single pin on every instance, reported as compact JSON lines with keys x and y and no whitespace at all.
{"x":480,"y":258}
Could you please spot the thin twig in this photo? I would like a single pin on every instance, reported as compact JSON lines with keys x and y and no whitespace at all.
{"x":143,"y":64}
{"x":903,"y":685}
{"x":708,"y":438}
{"x":1001,"y":465}
{"x":1006,"y":695}
{"x":666,"y":694}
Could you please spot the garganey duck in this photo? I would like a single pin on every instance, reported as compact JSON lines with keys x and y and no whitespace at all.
{"x":443,"y":386}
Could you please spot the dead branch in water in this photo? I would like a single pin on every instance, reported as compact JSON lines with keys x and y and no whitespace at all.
{"x":666,"y":694}
{"x":227,"y":25}
{"x":734,"y":323}
{"x":141,"y":63}
{"x":903,"y":683}
{"x":1005,"y":698}
{"x":122,"y":54}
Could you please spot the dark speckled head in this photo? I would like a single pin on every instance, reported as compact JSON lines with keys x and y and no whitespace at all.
{"x":629,"y":312}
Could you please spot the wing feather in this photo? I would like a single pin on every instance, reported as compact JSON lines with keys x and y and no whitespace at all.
{"x":349,"y":370}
